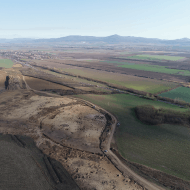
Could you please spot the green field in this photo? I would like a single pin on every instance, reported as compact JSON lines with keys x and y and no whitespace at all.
{"x":180,"y":93}
{"x":155,"y":57}
{"x":7,"y":63}
{"x":163,"y":147}
{"x":142,"y":84}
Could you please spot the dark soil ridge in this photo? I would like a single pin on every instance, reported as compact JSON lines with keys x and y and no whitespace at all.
{"x":154,"y":175}
{"x":149,"y":115}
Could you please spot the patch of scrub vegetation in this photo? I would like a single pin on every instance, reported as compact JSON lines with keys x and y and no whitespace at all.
{"x":6,"y":63}
{"x":180,"y":93}
{"x":149,"y":115}
{"x":163,"y":147}
{"x":155,"y":57}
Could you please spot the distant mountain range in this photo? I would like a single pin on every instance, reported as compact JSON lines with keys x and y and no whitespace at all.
{"x":114,"y":39}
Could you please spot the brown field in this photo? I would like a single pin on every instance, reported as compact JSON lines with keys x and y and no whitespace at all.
{"x":39,"y":84}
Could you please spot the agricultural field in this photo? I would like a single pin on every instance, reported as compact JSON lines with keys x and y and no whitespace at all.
{"x":39,"y":84}
{"x":180,"y":93}
{"x":155,"y":57}
{"x":114,"y":66}
{"x":163,"y":147}
{"x":142,"y":84}
{"x":75,"y":79}
{"x":155,"y":68}
{"x":6,"y":63}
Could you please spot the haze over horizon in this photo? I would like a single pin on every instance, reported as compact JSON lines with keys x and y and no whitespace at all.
{"x":166,"y":19}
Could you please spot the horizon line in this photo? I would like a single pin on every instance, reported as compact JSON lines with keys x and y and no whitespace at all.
{"x":37,"y":38}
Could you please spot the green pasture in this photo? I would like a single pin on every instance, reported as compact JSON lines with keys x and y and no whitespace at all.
{"x":163,"y":147}
{"x":7,"y":63}
{"x":155,"y":57}
{"x":142,"y":84}
{"x":180,"y":93}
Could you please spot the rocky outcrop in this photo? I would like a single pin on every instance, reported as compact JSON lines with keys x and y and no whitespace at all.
{"x":14,"y":83}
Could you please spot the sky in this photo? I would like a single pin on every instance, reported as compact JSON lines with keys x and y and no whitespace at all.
{"x":164,"y":19}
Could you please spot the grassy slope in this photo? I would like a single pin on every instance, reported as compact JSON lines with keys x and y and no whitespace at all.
{"x":143,"y":84}
{"x":156,"y":57}
{"x":7,"y":63}
{"x":163,"y":147}
{"x":181,"y":93}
